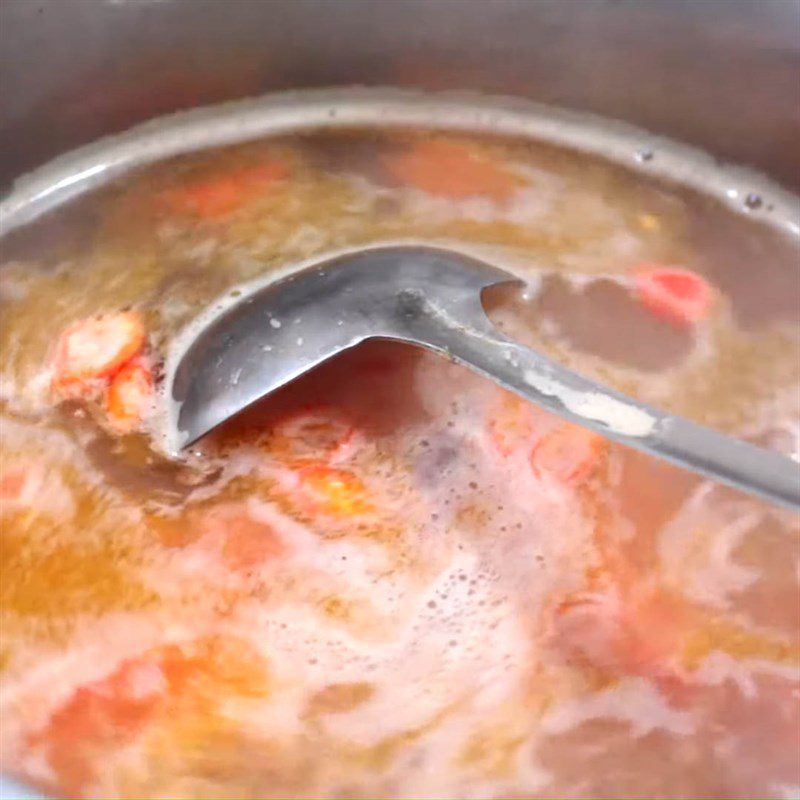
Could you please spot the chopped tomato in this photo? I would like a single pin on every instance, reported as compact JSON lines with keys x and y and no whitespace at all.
{"x":567,"y":453}
{"x":245,"y":541}
{"x":677,"y":295}
{"x":129,"y":397}
{"x":312,"y":432}
{"x":176,"y":531}
{"x":249,"y":544}
{"x":620,"y":633}
{"x":99,"y":716}
{"x":109,"y":713}
{"x":229,"y":529}
{"x":513,"y":425}
{"x":12,"y":484}
{"x":95,"y":349}
{"x":334,"y":491}
{"x":452,"y":169}
{"x":26,"y":486}
{"x":210,"y":667}
{"x":218,"y":196}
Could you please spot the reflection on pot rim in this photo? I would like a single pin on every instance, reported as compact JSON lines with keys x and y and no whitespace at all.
{"x":240,"y":121}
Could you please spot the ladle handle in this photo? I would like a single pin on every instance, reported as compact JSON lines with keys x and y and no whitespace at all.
{"x":555,"y":388}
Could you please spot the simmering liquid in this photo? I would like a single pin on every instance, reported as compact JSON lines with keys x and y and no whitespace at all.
{"x":393,"y":578}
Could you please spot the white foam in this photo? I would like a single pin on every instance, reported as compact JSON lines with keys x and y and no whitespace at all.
{"x":633,"y":700}
{"x":697,"y":546}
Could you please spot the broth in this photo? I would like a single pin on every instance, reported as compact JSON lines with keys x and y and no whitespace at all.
{"x":393,"y":578}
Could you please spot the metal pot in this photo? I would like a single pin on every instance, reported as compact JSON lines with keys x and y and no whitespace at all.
{"x":722,"y":76}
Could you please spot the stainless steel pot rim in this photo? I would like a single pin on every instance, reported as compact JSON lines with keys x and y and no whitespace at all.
{"x":88,"y":167}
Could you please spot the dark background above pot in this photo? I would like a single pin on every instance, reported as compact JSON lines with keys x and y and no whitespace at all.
{"x":721,"y":74}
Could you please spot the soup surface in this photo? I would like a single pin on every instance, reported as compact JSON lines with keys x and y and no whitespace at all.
{"x":393,"y":578}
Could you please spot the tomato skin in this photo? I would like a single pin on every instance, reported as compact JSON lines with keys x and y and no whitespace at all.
{"x":678,"y":295}
{"x":333,"y":491}
{"x":92,"y":350}
{"x":245,"y":542}
{"x":455,"y":170}
{"x":12,"y":484}
{"x":512,"y":425}
{"x":568,"y":453}
{"x":621,"y":632}
{"x":165,"y":682}
{"x":129,"y":397}
{"x":216,"y":197}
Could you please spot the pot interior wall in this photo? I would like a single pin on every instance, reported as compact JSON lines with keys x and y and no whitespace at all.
{"x":723,"y":76}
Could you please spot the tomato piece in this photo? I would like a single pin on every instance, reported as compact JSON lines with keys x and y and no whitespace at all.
{"x":22,"y":486}
{"x":334,"y":491}
{"x":249,"y":543}
{"x":567,"y":453}
{"x":218,"y":196}
{"x":513,"y":425}
{"x":677,"y":295}
{"x":619,"y":633}
{"x":589,"y":625}
{"x":96,"y":348}
{"x":100,"y":716}
{"x":104,"y":715}
{"x":245,"y":541}
{"x":228,"y":530}
{"x":454,"y":170}
{"x":12,"y":484}
{"x":130,"y":396}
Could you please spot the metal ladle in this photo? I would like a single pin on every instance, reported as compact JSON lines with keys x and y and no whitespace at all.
{"x":431,"y":298}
